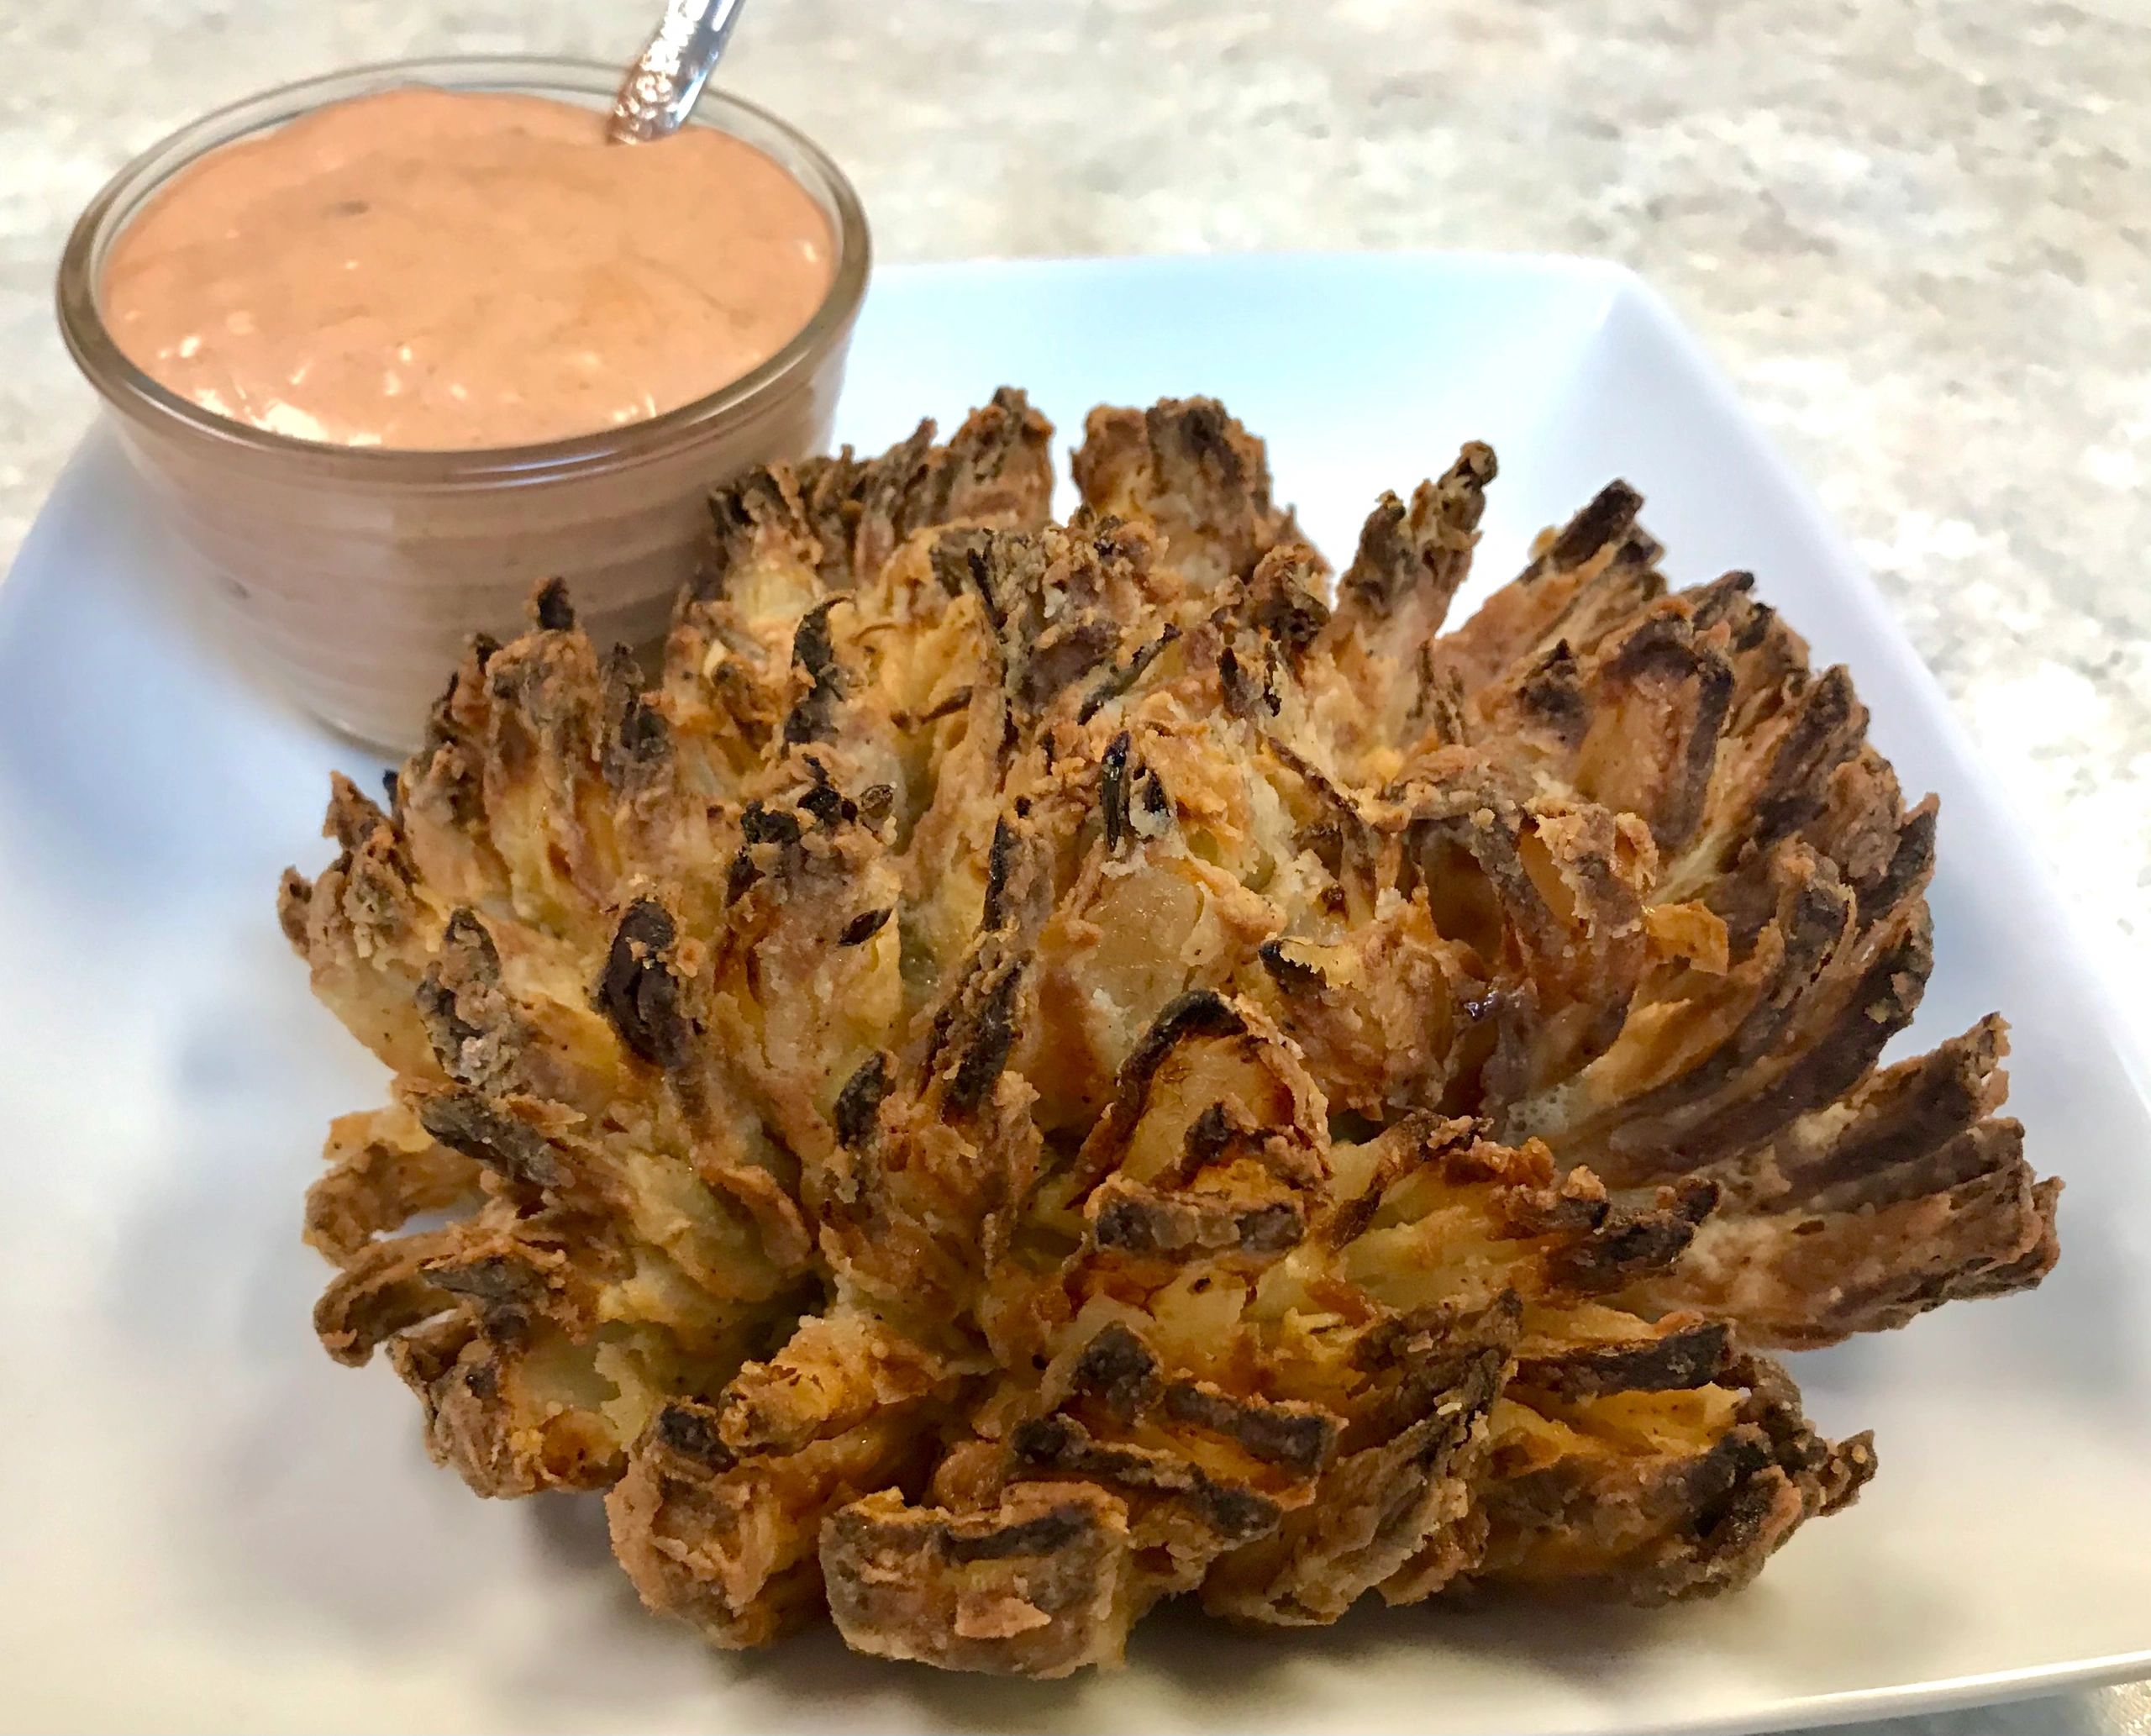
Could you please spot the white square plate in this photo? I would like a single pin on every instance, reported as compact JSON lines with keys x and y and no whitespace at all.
{"x":211,"y":1526}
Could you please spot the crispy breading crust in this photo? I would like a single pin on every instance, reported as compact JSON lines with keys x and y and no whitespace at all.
{"x":1035,"y":1586}
{"x":1038,"y":1069}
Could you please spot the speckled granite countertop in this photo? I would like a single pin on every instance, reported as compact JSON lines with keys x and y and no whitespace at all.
{"x":1916,"y":235}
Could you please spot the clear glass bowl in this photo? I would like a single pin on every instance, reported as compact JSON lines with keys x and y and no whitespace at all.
{"x":354,"y":574}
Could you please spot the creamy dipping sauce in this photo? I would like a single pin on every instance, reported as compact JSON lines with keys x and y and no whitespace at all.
{"x":433,"y":269}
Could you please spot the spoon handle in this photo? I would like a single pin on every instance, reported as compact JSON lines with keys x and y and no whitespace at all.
{"x":663,"y":85}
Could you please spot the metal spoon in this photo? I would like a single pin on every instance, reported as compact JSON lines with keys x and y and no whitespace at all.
{"x":662,"y":87}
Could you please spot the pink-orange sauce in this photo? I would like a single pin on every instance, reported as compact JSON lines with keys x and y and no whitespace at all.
{"x":435,"y":269}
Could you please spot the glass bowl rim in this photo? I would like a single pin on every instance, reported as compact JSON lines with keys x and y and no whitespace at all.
{"x":129,"y":389}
